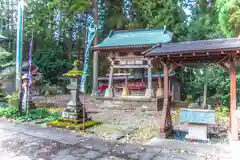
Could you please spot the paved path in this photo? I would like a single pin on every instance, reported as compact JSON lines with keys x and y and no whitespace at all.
{"x":29,"y":142}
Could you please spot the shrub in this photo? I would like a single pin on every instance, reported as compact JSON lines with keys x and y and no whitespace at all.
{"x":52,"y":63}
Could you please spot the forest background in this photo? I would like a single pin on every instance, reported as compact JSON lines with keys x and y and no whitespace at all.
{"x":59,"y":30}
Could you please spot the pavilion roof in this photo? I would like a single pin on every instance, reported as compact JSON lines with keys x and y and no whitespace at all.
{"x":140,"y":38}
{"x":194,"y":51}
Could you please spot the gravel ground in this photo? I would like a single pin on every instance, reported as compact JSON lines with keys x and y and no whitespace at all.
{"x":131,"y":126}
{"x":143,"y":123}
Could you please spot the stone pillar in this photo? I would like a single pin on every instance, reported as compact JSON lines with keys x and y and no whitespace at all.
{"x":159,"y":92}
{"x":149,"y":91}
{"x":109,"y":90}
{"x":173,"y":91}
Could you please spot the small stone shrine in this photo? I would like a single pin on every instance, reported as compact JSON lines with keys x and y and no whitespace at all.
{"x":74,"y":109}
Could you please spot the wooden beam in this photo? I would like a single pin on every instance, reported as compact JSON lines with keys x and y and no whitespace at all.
{"x":174,"y":65}
{"x":225,"y":67}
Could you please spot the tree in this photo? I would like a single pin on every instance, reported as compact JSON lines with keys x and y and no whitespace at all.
{"x":158,"y":13}
{"x":228,"y":13}
{"x":203,"y":21}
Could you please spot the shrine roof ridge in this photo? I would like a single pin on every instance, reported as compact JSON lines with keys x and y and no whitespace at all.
{"x":137,"y":38}
{"x":200,"y":46}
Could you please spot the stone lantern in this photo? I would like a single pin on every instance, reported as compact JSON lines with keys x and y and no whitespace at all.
{"x":74,"y":109}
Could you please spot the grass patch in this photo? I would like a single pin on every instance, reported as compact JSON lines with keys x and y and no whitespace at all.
{"x":62,"y":123}
{"x":34,"y":114}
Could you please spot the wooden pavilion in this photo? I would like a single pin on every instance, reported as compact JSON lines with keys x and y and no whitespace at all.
{"x":224,"y":52}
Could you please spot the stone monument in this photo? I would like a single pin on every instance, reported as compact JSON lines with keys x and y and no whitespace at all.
{"x":74,"y":109}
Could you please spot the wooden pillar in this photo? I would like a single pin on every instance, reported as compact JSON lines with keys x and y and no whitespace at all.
{"x":165,"y":121}
{"x":233,"y":103}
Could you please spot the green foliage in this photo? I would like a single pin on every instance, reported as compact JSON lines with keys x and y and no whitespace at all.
{"x":6,"y":58}
{"x":157,"y":13}
{"x":8,"y":112}
{"x":34,"y":114}
{"x":13,"y":100}
{"x":228,"y":16}
{"x":39,"y":113}
{"x":52,"y":63}
{"x":48,"y":89}
{"x":222,"y":114}
{"x":203,"y":22}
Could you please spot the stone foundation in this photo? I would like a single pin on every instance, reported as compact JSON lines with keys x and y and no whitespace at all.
{"x":129,"y":103}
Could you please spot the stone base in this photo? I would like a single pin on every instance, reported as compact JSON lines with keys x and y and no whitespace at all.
{"x":197,"y":132}
{"x":149,"y":93}
{"x":109,"y":92}
{"x":196,"y":140}
{"x":165,"y":134}
{"x":125,"y":92}
{"x":75,"y":114}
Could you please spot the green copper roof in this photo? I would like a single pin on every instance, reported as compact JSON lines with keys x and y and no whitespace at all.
{"x":135,"y":38}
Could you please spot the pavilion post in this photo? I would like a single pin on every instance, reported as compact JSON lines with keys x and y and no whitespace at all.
{"x":233,"y":103}
{"x":149,"y":90}
{"x":233,"y":98}
{"x":165,"y":122}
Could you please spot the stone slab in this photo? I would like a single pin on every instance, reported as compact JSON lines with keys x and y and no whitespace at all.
{"x":113,"y":132}
{"x":209,"y":149}
{"x":197,"y":132}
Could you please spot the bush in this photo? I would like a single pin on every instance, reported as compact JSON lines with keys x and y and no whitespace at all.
{"x":48,"y":89}
{"x":13,"y":100}
{"x":52,"y":63}
{"x":34,"y":114}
